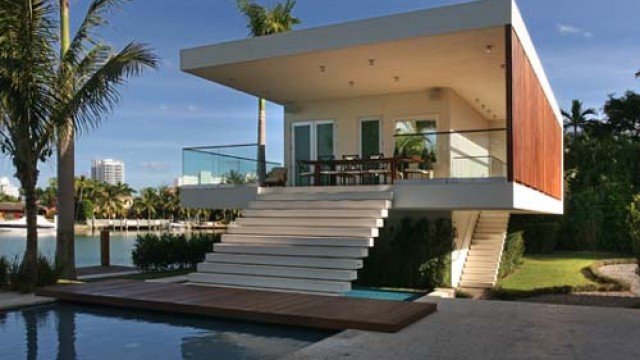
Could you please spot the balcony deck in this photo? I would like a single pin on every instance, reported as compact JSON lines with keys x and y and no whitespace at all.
{"x":315,"y":311}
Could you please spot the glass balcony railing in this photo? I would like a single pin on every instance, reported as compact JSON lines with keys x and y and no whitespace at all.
{"x":477,"y":153}
{"x":218,"y":165}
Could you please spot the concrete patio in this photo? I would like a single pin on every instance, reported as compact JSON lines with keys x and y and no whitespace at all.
{"x":480,"y":329}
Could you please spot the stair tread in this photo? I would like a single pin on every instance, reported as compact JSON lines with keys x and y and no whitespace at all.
{"x":272,"y":282}
{"x":293,"y":261}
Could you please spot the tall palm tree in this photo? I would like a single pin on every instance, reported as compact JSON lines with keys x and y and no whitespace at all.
{"x":27,"y":98}
{"x":577,"y":117}
{"x":89,"y":74}
{"x":263,"y":22}
{"x":148,"y":201}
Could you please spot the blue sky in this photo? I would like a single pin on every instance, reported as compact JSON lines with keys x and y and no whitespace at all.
{"x":590,"y":48}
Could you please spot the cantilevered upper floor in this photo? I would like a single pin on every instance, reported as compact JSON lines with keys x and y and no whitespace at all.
{"x":460,"y":88}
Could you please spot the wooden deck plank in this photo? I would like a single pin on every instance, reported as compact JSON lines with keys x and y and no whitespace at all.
{"x":316,"y":311}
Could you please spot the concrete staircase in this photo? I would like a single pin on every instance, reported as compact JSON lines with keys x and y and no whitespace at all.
{"x":483,"y":259}
{"x":305,"y":241}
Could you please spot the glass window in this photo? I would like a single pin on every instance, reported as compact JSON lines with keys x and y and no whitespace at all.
{"x":324,"y":141}
{"x":416,"y":138}
{"x":369,"y":137}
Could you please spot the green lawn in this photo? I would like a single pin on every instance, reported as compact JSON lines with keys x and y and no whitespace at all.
{"x":552,"y":271}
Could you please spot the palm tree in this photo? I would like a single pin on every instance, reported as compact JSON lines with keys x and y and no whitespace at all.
{"x":577,"y":117}
{"x":89,"y":73}
{"x":148,"y":201}
{"x":27,"y":99}
{"x":263,"y":22}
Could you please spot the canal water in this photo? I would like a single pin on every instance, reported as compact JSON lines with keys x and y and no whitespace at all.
{"x":13,"y":244}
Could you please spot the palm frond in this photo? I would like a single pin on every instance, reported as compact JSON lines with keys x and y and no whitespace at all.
{"x":97,"y":92}
{"x":94,"y":18}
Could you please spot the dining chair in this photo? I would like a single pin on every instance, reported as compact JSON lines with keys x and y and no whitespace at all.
{"x":328,"y":173}
{"x":378,"y":169}
{"x":351,"y":172}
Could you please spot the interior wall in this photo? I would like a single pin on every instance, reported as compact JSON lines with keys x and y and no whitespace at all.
{"x":452,"y":112}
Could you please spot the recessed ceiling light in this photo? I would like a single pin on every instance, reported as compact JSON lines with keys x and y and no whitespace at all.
{"x":488,"y":49}
{"x":396,"y":78}
{"x":322,"y":68}
{"x":351,"y":83}
{"x":372,"y":62}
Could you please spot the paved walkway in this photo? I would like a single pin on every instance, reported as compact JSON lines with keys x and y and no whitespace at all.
{"x":12,"y":300}
{"x":481,"y":329}
{"x":103,"y":272}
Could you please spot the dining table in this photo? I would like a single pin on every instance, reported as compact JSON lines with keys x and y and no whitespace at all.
{"x":391,"y":162}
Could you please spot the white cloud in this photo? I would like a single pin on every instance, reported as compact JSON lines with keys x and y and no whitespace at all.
{"x":567,"y":30}
{"x":154,"y":165}
{"x":192,"y":108}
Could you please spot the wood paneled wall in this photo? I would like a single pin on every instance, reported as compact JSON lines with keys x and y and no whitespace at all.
{"x":535,"y":142}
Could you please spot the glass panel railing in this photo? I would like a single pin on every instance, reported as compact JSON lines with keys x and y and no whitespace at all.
{"x":217,"y":165}
{"x":476,"y":153}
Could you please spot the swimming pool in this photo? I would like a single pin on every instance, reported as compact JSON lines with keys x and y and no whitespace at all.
{"x":383,"y":294}
{"x":66,"y":331}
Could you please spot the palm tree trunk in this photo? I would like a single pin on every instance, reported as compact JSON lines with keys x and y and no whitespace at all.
{"x":31,"y":212}
{"x":262,"y":141}
{"x":65,"y":250}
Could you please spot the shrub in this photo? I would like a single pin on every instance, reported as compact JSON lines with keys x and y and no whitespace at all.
{"x":514,"y":247}
{"x":413,"y":254}
{"x":170,"y":251}
{"x":540,"y":232}
{"x":634,"y":228}
{"x":4,"y":273}
{"x":20,"y":275}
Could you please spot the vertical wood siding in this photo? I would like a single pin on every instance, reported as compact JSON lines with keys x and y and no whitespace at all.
{"x":535,"y":141}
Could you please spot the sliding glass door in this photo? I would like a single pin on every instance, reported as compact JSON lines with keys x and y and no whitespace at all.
{"x":311,"y":140}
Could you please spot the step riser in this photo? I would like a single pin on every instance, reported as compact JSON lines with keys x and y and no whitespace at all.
{"x":328,"y":205}
{"x":350,"y":223}
{"x":331,"y":232}
{"x":319,"y":213}
{"x":293,"y":261}
{"x":308,"y":241}
{"x":306,"y":251}
{"x":288,"y":272}
{"x":271,"y":282}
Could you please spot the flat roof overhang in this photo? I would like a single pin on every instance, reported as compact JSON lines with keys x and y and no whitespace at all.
{"x":442,"y":47}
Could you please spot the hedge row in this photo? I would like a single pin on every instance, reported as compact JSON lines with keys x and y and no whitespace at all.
{"x":512,"y":254}
{"x":413,"y":254}
{"x":171,"y":251}
{"x":17,"y":276}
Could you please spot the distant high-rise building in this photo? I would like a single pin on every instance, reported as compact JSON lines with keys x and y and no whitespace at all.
{"x":108,"y":170}
{"x":7,"y":188}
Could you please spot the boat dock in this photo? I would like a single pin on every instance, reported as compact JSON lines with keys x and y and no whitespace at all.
{"x":294,"y":309}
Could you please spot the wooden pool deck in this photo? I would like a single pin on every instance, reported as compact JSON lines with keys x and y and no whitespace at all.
{"x":315,"y":311}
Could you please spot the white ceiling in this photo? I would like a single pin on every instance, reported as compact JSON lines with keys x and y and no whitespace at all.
{"x":457,"y":60}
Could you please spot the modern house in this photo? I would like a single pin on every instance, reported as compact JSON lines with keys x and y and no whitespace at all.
{"x":451,"y":106}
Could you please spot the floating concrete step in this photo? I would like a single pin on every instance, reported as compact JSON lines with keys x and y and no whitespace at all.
{"x":298,"y":240}
{"x":313,"y":196}
{"x":271,"y":282}
{"x":294,"y":261}
{"x":318,"y":213}
{"x":278,"y":271}
{"x":305,"y":231}
{"x":476,"y":284}
{"x":488,"y":236}
{"x":480,"y":271}
{"x":485,"y":252}
{"x":328,"y":205}
{"x":305,"y":251}
{"x":315,"y":222}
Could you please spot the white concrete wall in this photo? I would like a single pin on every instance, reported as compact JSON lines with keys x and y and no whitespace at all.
{"x":464,"y":223}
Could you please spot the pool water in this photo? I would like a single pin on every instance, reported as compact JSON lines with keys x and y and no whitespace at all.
{"x":65,"y":331}
{"x":380,"y":294}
